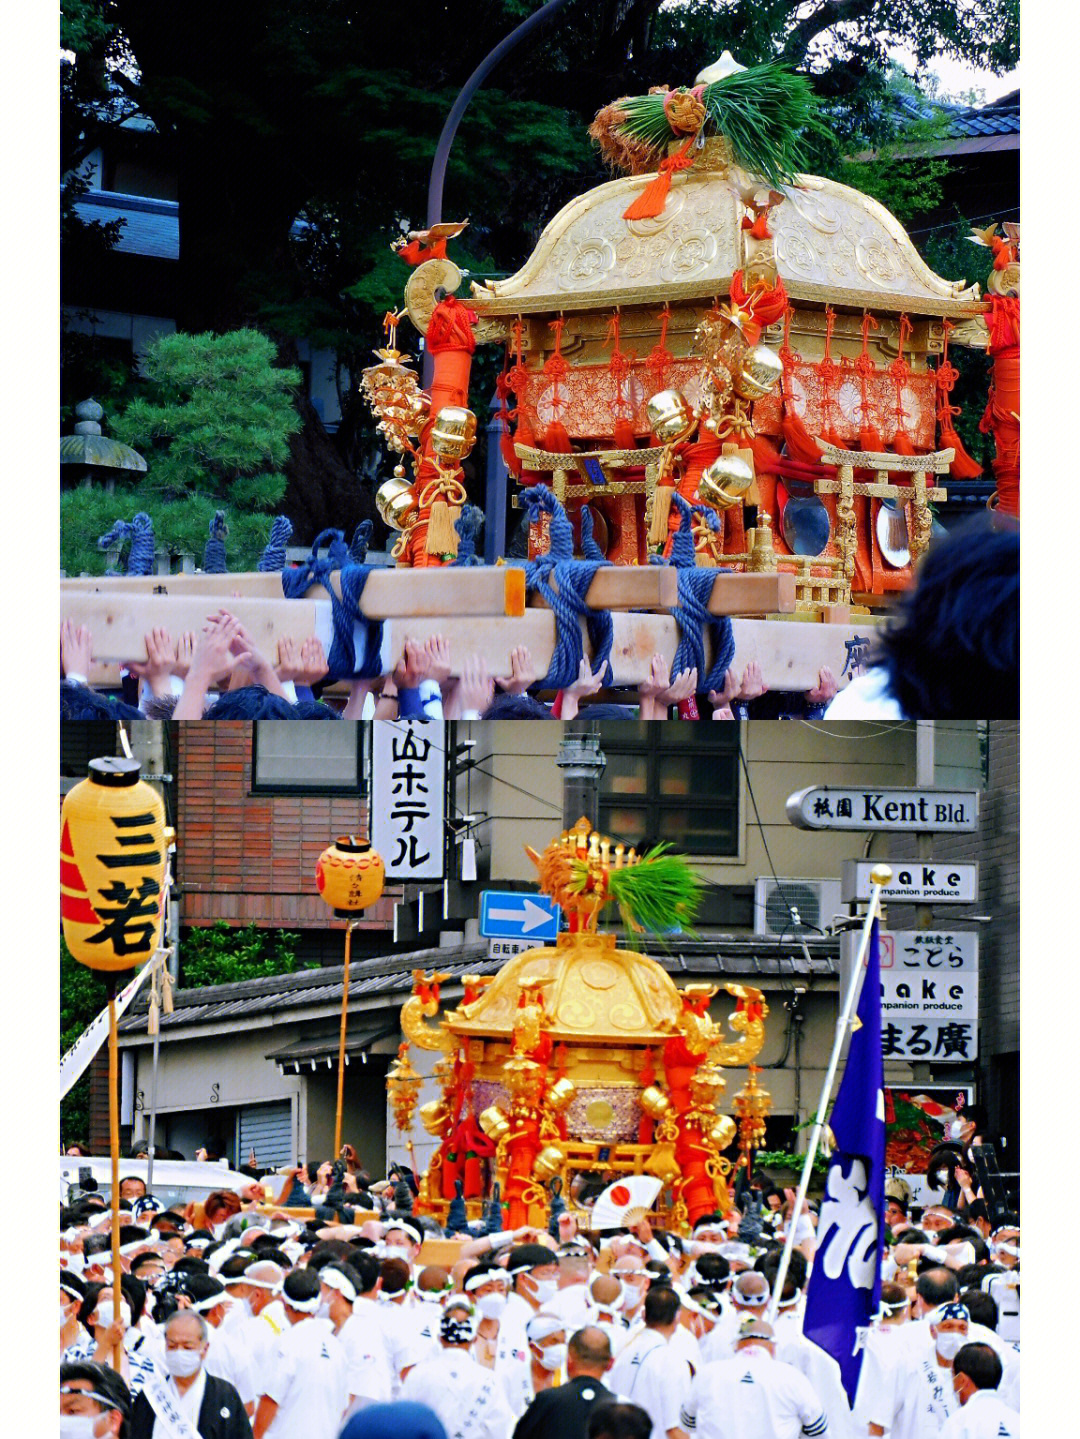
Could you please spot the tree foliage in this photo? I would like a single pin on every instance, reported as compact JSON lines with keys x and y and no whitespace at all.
{"x":213,"y":424}
{"x":218,"y":954}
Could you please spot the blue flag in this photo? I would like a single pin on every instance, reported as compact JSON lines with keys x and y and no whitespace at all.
{"x":845,"y":1282}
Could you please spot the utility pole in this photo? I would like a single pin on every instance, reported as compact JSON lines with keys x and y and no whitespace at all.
{"x":582,"y":762}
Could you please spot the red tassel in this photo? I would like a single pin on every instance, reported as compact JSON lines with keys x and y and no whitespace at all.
{"x":556,"y":440}
{"x":653,"y":198}
{"x":624,"y":436}
{"x":509,"y":454}
{"x":765,"y":452}
{"x":901,"y":445}
{"x":870,"y":440}
{"x":800,"y":443}
{"x":963,"y":466}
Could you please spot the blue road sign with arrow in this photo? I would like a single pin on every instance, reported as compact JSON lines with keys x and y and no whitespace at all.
{"x":509,"y":914}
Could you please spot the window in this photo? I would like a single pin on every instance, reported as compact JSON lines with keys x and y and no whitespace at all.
{"x":313,"y":758}
{"x":674,"y":782}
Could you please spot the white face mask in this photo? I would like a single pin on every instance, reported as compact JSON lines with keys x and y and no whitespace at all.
{"x":949,"y":1345}
{"x":956,"y":1129}
{"x":106,"y":1314}
{"x":491,"y":1306}
{"x":397,"y":1251}
{"x":78,"y":1426}
{"x":183,"y":1363}
{"x":554,"y":1357}
{"x":544,"y":1289}
{"x":323,"y":1311}
{"x":64,"y":1316}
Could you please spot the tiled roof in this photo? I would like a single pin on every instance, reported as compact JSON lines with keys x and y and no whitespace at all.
{"x":967,"y":122}
{"x":151,"y":227}
{"x":739,"y":957}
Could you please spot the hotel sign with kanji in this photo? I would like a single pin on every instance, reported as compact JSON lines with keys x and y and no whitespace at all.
{"x":910,"y":811}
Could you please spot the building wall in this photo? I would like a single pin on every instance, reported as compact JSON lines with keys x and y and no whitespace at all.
{"x":524,"y":795}
{"x":249,"y":858}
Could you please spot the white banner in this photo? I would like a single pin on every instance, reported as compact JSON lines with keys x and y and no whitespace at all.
{"x":74,"y":1064}
{"x":914,"y":881}
{"x":408,"y":797}
{"x":930,"y":996}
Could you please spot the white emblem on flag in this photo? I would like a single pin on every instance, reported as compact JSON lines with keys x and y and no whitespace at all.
{"x":847,"y":1231}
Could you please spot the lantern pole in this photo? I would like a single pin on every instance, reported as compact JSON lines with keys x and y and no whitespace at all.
{"x":341,"y":1044}
{"x":114,"y":1156}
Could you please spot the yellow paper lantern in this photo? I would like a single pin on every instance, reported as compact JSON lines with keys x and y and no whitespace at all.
{"x":112,"y":866}
{"x":350,"y":875}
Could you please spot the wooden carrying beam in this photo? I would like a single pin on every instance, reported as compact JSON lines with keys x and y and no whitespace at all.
{"x":790,"y":653}
{"x":388,"y":593}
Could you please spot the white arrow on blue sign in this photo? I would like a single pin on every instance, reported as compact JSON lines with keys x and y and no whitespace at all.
{"x":508,"y":914}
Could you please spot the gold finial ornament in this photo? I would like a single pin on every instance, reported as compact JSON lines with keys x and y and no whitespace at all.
{"x":725,"y":482}
{"x":881,"y":874}
{"x":719,"y":69}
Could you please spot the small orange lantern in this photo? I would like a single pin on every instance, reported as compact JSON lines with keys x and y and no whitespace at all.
{"x":112,"y":866}
{"x":350,"y":875}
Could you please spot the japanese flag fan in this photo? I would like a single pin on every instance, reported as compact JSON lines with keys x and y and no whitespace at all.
{"x":625,"y":1202}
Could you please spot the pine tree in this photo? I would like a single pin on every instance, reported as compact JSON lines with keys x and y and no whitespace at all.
{"x":213,"y":423}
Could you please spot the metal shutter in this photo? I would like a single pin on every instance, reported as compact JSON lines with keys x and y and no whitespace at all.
{"x":266,"y":1128}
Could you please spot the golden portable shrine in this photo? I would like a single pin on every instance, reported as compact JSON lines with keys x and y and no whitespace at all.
{"x":767,"y":345}
{"x":584,"y":1058}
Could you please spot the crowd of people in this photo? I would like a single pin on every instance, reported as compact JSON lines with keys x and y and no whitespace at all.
{"x":314,"y":1312}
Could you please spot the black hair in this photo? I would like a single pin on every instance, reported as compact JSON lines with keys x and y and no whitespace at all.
{"x":328,"y":1251}
{"x":616,"y":1420}
{"x":587,"y":1349}
{"x":366,"y":1268}
{"x":234,"y":1267}
{"x":80,"y":702}
{"x":191,"y":1264}
{"x":769,"y":1265}
{"x":133,"y":1234}
{"x":897,"y":1199}
{"x":250,"y":702}
{"x":131,"y":1289}
{"x":661,"y":1305}
{"x":518,"y":707}
{"x":712,"y":1269}
{"x":72,"y":1280}
{"x":952,"y":647}
{"x":314,"y":710}
{"x":96,"y":1244}
{"x":911,"y":1236}
{"x":972,"y":1275}
{"x":937,"y":1286}
{"x":658,"y":1272}
{"x":142,"y":1260}
{"x":301,"y":1285}
{"x":980,"y":1363}
{"x":342,"y":1266}
{"x":106,"y":1382}
{"x":982,"y":1307}
{"x":204,"y":1286}
{"x":972,"y":1236}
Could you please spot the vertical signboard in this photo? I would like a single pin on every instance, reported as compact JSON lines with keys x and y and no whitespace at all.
{"x":408,"y":797}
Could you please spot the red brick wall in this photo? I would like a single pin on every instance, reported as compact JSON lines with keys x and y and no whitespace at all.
{"x":250,"y":858}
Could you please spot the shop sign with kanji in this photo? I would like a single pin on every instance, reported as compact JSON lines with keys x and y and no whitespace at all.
{"x":408,"y":797}
{"x":930,"y":996}
{"x":910,"y":811}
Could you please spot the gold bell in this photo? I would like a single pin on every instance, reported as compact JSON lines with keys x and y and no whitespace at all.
{"x":433,"y":1116}
{"x":454,"y":432}
{"x":394,"y":501}
{"x":419,"y":404}
{"x":494,"y":1123}
{"x":760,"y":373}
{"x":670,"y":417}
{"x":561,"y":1093}
{"x":725,"y":482}
{"x":549,"y":1162}
{"x":663,"y":1164}
{"x":655,"y":1102}
{"x":723,"y":1131}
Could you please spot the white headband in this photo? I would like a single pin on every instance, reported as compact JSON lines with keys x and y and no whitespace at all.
{"x":302,"y":1306}
{"x":474,"y":1281}
{"x":126,"y":1249}
{"x":406,"y":1228}
{"x":334,"y":1279}
{"x":211,"y":1301}
{"x":67,"y":1289}
{"x":542,"y":1326}
{"x":272,"y":1284}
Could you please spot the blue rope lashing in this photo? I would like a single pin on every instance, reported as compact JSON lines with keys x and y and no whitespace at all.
{"x":468,"y":525}
{"x":213,"y":562}
{"x":141,"y":554}
{"x":692,"y":612}
{"x":336,"y":549}
{"x":589,"y":548}
{"x":121,"y":530}
{"x":344,"y":660}
{"x":272,"y":559}
{"x":567,"y":598}
{"x":358,"y":548}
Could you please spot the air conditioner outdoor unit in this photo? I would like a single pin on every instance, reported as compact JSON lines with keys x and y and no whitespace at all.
{"x":815,"y":900}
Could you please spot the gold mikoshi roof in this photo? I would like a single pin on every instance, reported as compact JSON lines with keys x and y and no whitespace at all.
{"x":833,"y":244}
{"x":591,"y":991}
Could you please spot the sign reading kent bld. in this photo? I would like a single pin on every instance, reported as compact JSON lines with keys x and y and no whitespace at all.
{"x":904,"y":810}
{"x":510,"y":914}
